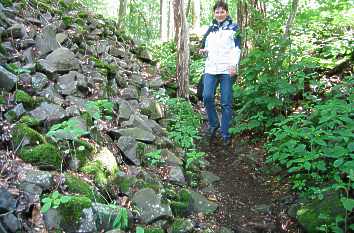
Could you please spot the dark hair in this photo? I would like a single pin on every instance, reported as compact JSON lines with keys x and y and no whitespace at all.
{"x":221,"y":4}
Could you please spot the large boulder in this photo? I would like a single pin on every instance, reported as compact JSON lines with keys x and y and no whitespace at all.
{"x":150,"y":206}
{"x":7,"y":79}
{"x":60,"y":60}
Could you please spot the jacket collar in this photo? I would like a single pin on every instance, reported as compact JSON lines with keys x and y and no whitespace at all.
{"x":226,"y":22}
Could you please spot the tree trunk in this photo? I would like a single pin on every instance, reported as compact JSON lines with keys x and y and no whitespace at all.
{"x":196,"y":14}
{"x":248,"y":11}
{"x":182,"y":40}
{"x":291,"y":18}
{"x":171,"y":24}
{"x":164,"y":8}
{"x":121,"y":12}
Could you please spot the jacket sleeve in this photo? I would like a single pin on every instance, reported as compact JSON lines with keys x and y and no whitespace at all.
{"x":202,"y":43}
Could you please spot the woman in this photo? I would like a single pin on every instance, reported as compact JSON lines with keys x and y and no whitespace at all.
{"x":222,"y":45}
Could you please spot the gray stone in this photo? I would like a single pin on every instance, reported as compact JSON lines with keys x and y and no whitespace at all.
{"x":28,"y":55}
{"x":107,"y":159}
{"x":7,"y":202}
{"x":31,"y":188}
{"x":137,"y":133}
{"x":175,"y":175}
{"x":52,"y":219}
{"x":11,"y":222}
{"x":76,"y":102}
{"x":87,"y":222}
{"x":39,"y":81}
{"x":150,"y":207}
{"x":155,"y":83}
{"x":125,"y":110}
{"x":17,"y":31}
{"x":46,"y":41}
{"x":128,"y":146}
{"x":209,"y":177}
{"x":117,"y":52}
{"x":129,"y":93}
{"x":105,"y":216}
{"x":61,"y":37}
{"x":43,"y":179}
{"x":51,"y":113}
{"x":51,"y":94}
{"x":15,"y":113}
{"x":7,"y":79}
{"x":67,"y":83}
{"x":139,"y":121}
{"x":199,"y":204}
{"x":60,"y":60}
{"x":151,"y":108}
{"x":170,"y":158}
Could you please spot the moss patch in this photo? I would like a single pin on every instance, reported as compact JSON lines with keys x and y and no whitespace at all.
{"x":25,"y":133}
{"x":76,"y":185}
{"x":72,"y":210}
{"x":25,"y":99}
{"x":96,"y":169}
{"x":29,"y":121}
{"x":42,"y":155}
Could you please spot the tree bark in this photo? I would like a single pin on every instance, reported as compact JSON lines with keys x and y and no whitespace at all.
{"x":171,"y":24}
{"x":248,"y":11}
{"x":291,"y":18}
{"x":196,"y":14}
{"x":182,"y":41}
{"x":164,"y":8}
{"x":122,"y":12}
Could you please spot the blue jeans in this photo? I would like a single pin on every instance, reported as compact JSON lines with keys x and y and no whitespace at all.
{"x":210,"y":84}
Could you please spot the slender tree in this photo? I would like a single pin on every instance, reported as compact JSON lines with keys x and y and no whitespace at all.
{"x":164,"y":8}
{"x":182,"y":40}
{"x":122,"y":12}
{"x":291,"y":17}
{"x":196,"y":14}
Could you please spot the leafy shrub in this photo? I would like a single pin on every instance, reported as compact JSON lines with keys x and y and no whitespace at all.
{"x":99,"y":109}
{"x":166,"y":55}
{"x":54,"y":200}
{"x":153,"y":157}
{"x":69,"y":129}
{"x":183,"y":123}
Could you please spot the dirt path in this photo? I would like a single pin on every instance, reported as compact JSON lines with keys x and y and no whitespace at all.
{"x":249,"y":200}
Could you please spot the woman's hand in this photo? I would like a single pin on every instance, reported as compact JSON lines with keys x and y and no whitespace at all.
{"x":232,"y":71}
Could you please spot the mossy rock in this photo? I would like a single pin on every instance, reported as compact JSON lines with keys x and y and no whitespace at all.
{"x":44,"y":155}
{"x":26,"y":135}
{"x":314,"y":213}
{"x":72,"y":210}
{"x":96,"y":169}
{"x":24,"y":98}
{"x":29,"y":121}
{"x":125,"y":183}
{"x":77,"y":185}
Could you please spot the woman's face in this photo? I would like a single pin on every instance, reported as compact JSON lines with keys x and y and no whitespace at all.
{"x":220,"y":14}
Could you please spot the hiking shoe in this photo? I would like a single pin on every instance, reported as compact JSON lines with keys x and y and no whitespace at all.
{"x":213,"y":134}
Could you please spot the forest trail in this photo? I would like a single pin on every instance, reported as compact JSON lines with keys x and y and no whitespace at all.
{"x":250,"y":201}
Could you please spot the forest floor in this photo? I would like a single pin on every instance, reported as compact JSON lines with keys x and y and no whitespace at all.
{"x":250,"y":200}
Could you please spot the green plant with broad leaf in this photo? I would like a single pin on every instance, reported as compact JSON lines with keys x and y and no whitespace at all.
{"x":183,"y":123}
{"x":121,"y":220}
{"x":54,"y":200}
{"x":69,"y":129}
{"x":13,"y":68}
{"x":193,"y":158}
{"x":100,"y":109}
{"x":153,"y":157}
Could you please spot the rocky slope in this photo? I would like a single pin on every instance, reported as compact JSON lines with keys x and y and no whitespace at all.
{"x":84,"y":146}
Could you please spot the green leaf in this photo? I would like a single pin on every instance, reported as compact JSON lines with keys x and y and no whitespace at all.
{"x":139,"y":229}
{"x":338,"y":162}
{"x":46,"y":207}
{"x":348,"y":203}
{"x":55,"y":195}
{"x":65,"y":199}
